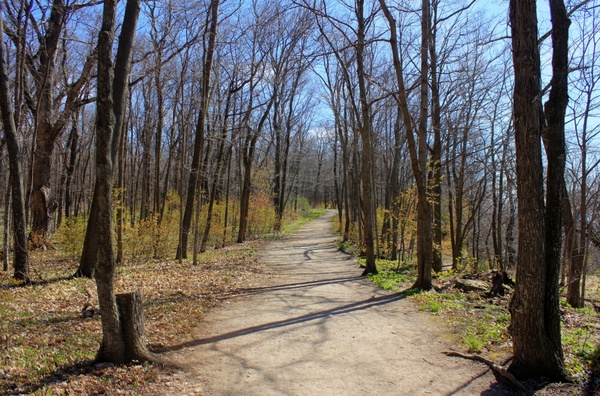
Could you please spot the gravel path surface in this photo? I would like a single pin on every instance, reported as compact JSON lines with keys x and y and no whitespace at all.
{"x":318,"y":328}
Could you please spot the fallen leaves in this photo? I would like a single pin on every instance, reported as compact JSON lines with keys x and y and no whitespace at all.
{"x":47,"y":346}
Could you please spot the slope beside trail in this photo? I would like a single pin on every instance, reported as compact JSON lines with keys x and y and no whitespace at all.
{"x":318,"y":328}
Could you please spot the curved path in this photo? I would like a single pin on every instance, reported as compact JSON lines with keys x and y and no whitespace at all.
{"x":318,"y":328}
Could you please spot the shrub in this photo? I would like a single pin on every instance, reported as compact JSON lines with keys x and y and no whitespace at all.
{"x":71,"y":235}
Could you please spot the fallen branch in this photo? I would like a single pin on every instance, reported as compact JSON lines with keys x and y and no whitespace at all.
{"x":497,"y":369}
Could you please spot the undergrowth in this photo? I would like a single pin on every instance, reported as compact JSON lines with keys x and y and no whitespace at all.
{"x":48,"y":343}
{"x":480,"y":323}
{"x":392,"y":276}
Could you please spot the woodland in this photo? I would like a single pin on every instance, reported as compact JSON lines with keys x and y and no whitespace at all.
{"x":453,"y":138}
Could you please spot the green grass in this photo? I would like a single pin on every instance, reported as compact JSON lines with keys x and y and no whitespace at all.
{"x":480,"y":325}
{"x":432,"y":305}
{"x":391,"y":276}
{"x":346,"y":246}
{"x":389,"y":280}
{"x":580,"y":345}
{"x":290,"y":228}
{"x":474,"y":344}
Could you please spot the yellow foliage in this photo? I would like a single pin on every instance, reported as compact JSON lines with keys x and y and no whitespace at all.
{"x":261,"y":219}
{"x":71,"y":234}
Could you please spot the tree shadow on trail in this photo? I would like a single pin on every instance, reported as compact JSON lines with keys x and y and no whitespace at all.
{"x":291,"y":286}
{"x":343,"y":309}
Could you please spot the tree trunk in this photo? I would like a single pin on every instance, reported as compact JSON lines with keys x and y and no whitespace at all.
{"x":158,"y":139}
{"x":43,"y":203}
{"x":367,"y":147}
{"x":49,"y":121}
{"x":417,"y":147}
{"x":217,"y":171}
{"x":117,"y":345}
{"x":120,"y":196}
{"x":113,"y":345}
{"x":145,"y":209}
{"x":278,"y":162}
{"x":6,"y":229}
{"x":70,"y":170}
{"x":131,"y":313}
{"x":21,"y":262}
{"x":554,"y":134}
{"x":511,"y":253}
{"x":227,"y":187}
{"x":196,"y":169}
{"x":247,"y":161}
{"x":574,"y":259}
{"x":245,"y":196}
{"x":535,"y":323}
{"x":435,"y":180}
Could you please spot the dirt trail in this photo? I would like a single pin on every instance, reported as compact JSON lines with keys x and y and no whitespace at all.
{"x":317,"y":328}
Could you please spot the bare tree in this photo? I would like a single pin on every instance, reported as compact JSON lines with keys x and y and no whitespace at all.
{"x":199,"y":141}
{"x":355,"y":64}
{"x":584,"y":101}
{"x":52,"y":111}
{"x":257,"y":110}
{"x":417,"y":140}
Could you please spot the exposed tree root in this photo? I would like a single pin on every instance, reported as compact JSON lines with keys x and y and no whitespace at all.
{"x":495,"y":368}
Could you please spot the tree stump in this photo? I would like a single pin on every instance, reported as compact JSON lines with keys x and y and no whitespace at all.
{"x":131,"y":312}
{"x":497,"y":284}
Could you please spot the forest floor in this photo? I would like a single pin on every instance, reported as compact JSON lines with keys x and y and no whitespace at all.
{"x":317,"y":327}
{"x":288,"y":317}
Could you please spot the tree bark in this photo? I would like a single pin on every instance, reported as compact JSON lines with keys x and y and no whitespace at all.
{"x":68,"y":200}
{"x":435,"y":180}
{"x":131,"y":313}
